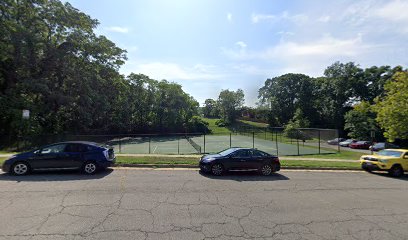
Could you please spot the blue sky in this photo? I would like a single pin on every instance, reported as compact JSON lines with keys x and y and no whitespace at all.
{"x":210,"y":45}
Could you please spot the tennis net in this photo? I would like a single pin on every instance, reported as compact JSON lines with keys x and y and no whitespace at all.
{"x":194,"y":144}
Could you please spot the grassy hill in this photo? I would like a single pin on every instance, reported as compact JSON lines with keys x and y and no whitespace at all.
{"x":239,"y":124}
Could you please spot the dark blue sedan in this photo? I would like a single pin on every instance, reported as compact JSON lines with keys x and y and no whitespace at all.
{"x":86,"y":156}
{"x":240,"y":159}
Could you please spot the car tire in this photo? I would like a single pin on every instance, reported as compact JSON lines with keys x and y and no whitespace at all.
{"x":396,"y":171}
{"x":90,"y":168}
{"x":217,"y":169}
{"x":266,"y":169}
{"x":20,"y":168}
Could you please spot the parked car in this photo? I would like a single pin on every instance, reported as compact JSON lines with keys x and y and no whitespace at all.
{"x":395,"y":161}
{"x":86,"y":156}
{"x":360,"y":145}
{"x":347,"y":142}
{"x":240,"y":159}
{"x":382,"y":145}
{"x":335,"y":141}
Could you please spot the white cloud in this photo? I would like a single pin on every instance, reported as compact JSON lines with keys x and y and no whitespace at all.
{"x":324,"y":19}
{"x":229,"y":17}
{"x":326,"y":46}
{"x":117,"y":29}
{"x":262,"y":17}
{"x":307,"y":57}
{"x":396,"y":11}
{"x":173,"y":71}
{"x":284,"y":16}
{"x":241,"y":44}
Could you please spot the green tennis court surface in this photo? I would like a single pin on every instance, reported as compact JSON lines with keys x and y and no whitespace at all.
{"x":209,"y":144}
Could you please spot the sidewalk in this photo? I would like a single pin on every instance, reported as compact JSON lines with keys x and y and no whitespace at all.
{"x":287,"y":158}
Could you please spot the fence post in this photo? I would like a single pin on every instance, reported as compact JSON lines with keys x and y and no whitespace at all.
{"x":253,"y":139}
{"x":338,"y":143}
{"x":277,"y":145}
{"x":297,"y":141}
{"x":318,"y":133}
{"x":120,"y":146}
{"x":204,"y":144}
{"x":230,"y":141}
{"x":149,"y":145}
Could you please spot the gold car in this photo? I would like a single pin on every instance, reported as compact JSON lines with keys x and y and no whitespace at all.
{"x":395,"y":161}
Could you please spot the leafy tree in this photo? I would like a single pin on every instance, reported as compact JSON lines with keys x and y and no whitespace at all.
{"x":229,"y":102}
{"x":360,"y":122}
{"x":292,"y":127}
{"x":210,"y":108}
{"x":336,"y":92}
{"x":392,"y":109}
{"x":285,"y":94}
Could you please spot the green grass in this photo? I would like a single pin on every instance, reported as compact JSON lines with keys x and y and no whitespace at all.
{"x":156,"y":160}
{"x":239,"y":124}
{"x":319,"y":164}
{"x":194,"y":161}
{"x":343,"y":154}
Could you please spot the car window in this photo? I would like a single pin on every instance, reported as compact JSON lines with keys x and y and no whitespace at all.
{"x":53,"y":149}
{"x":241,"y":153}
{"x":389,"y":153}
{"x":74,"y":147}
{"x":257,"y":153}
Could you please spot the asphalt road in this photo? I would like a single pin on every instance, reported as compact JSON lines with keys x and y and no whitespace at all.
{"x":182,"y":204}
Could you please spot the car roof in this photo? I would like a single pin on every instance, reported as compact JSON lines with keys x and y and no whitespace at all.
{"x":79,"y":142}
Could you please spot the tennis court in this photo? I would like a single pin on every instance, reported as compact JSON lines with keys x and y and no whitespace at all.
{"x":209,"y":144}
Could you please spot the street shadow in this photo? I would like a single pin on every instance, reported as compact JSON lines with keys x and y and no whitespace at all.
{"x":55,"y":176}
{"x":244,"y":176}
{"x":386,"y":175}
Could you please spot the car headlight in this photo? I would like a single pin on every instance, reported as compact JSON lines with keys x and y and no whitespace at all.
{"x":383,"y":160}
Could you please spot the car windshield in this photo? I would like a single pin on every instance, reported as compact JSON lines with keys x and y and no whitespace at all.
{"x":227,"y":151}
{"x":389,"y":153}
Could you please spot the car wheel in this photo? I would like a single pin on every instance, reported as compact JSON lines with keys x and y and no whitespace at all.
{"x":217,"y":169}
{"x":396,"y":171}
{"x":90,"y":168}
{"x":266,"y":170}
{"x":20,"y":168}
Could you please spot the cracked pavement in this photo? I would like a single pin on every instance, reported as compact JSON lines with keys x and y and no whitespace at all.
{"x":169,"y":204}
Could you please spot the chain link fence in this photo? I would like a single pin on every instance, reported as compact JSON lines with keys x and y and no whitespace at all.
{"x":302,"y":141}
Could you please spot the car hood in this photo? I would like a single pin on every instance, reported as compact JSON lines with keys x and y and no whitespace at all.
{"x":368,"y":157}
{"x":24,"y":155}
{"x":210,"y":157}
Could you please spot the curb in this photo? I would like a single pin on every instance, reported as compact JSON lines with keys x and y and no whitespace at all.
{"x":196,"y":167}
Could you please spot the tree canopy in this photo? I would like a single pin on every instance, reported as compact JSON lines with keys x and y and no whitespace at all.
{"x":392,"y":109}
{"x":53,"y":64}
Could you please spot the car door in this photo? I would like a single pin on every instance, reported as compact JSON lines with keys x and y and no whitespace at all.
{"x":257,"y":159}
{"x":72,"y":155}
{"x":240,"y":159}
{"x":48,"y":157}
{"x":405,"y":161}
